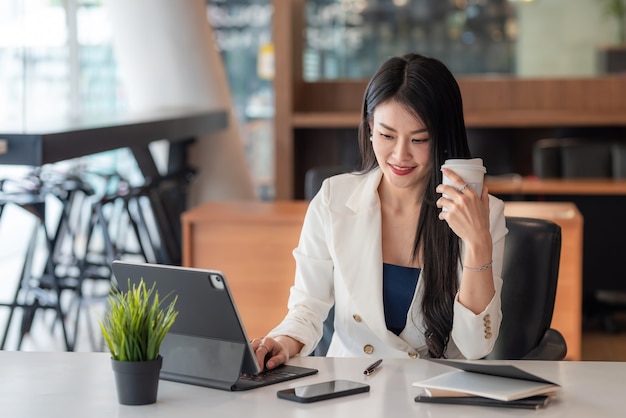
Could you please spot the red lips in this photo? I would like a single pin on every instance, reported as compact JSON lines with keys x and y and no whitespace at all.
{"x":401,"y":171}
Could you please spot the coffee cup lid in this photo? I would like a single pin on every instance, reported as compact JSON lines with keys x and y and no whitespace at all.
{"x":464,"y":161}
{"x":471,"y":163}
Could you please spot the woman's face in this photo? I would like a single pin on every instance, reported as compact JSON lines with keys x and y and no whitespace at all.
{"x":401,"y":144}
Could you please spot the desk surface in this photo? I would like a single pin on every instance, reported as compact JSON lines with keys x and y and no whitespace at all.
{"x":82,"y":385}
{"x":38,"y":143}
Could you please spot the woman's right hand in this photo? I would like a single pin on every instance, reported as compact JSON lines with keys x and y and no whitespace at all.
{"x":277,"y":350}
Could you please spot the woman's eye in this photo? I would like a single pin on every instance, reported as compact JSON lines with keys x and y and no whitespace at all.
{"x":419,"y":141}
{"x":385,"y":135}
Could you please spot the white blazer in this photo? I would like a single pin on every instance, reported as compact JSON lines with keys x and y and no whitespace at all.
{"x":339,"y":261}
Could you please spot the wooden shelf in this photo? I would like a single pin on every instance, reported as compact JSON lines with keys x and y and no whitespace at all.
{"x":536,"y":186}
{"x":542,"y":118}
{"x":326,"y":120}
{"x":473,"y":119}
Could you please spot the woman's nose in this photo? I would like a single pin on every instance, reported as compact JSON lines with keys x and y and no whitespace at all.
{"x":401,"y":150}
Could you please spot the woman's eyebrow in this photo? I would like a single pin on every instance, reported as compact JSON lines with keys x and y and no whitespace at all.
{"x":417,"y":131}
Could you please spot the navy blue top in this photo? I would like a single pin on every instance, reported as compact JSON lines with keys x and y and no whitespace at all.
{"x":399,"y":285}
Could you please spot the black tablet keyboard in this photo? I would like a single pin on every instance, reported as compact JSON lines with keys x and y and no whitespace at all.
{"x":269,"y":377}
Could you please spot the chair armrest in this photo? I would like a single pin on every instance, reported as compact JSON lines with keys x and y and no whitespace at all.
{"x":551,"y":347}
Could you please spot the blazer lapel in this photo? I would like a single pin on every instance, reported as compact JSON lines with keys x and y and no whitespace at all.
{"x":358,"y":243}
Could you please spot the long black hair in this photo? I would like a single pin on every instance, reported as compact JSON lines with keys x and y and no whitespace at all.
{"x":427,"y":89}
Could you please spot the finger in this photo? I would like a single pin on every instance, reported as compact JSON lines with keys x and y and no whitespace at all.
{"x":454,"y":177}
{"x":442,"y":202}
{"x":261,"y":352}
{"x":446,"y":190}
{"x":277,"y":360}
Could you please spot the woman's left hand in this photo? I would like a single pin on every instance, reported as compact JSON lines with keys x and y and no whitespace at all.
{"x":466,"y":212}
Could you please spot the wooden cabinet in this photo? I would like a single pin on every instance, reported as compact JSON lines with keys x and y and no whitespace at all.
{"x":315,"y":121}
{"x":252,"y":243}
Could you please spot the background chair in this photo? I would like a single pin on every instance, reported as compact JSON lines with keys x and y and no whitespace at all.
{"x":530,"y":272}
{"x":314,"y":177}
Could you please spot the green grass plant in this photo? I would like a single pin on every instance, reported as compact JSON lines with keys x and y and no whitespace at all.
{"x":136,"y":323}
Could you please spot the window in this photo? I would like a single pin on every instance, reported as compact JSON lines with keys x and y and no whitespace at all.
{"x":350,"y":38}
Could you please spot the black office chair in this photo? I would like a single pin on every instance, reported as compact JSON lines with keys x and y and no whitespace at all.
{"x":530,"y":272}
{"x":313,"y":179}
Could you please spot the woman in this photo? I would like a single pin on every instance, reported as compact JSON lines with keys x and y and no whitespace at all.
{"x":409,"y":271}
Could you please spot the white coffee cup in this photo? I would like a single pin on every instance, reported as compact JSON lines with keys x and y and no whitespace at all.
{"x":471,"y":171}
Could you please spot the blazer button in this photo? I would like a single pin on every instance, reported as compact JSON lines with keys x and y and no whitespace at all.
{"x":487,"y":335}
{"x":488,"y":329}
{"x":413,"y":354}
{"x":487,"y":323}
{"x":368,"y":349}
{"x":487,"y":317}
{"x":356,"y":317}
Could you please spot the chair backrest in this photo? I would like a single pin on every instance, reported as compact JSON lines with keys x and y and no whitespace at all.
{"x":530,"y":271}
{"x":316,"y":175}
{"x":312,"y":182}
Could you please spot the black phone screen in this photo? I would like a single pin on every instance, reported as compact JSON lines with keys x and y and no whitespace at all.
{"x":324,"y":390}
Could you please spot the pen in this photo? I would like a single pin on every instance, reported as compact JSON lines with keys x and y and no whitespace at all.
{"x":372,"y":367}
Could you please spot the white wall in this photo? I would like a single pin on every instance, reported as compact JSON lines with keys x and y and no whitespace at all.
{"x":560,"y":37}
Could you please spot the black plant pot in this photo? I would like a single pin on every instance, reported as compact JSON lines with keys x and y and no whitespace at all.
{"x":137,"y":382}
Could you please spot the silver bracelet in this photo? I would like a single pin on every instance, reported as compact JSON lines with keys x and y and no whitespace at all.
{"x":481,"y":268}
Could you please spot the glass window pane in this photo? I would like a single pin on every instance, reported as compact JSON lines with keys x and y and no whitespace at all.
{"x":100,"y":92}
{"x":34,"y":71}
{"x":350,"y":38}
{"x":243,"y":30}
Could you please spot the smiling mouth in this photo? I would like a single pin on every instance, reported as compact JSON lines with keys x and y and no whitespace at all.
{"x":401,"y":170}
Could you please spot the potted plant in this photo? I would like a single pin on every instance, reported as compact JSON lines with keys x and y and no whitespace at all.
{"x":133,"y":329}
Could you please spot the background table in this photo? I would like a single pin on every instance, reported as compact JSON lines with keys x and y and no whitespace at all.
{"x":38,"y":142}
{"x":252,"y":243}
{"x":82,"y":385}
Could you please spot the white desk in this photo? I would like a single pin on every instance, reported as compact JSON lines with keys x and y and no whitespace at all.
{"x":67,"y":385}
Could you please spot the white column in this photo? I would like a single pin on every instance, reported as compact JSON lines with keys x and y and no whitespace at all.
{"x":168,"y":58}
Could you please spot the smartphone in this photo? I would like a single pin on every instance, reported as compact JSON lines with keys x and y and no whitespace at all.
{"x":321,"y":391}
